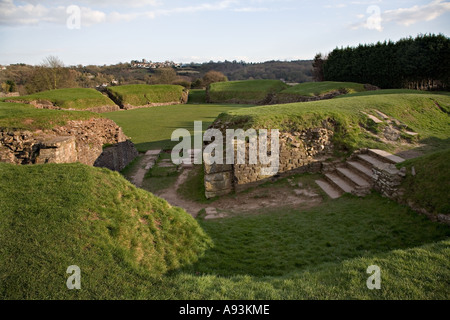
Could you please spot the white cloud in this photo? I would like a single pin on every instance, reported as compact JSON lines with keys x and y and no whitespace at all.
{"x":198,"y":8}
{"x":408,"y":16}
{"x":335,"y":6}
{"x":96,"y":3}
{"x":366,"y":3}
{"x":35,"y":12}
{"x":251,"y":9}
{"x":403,"y":16}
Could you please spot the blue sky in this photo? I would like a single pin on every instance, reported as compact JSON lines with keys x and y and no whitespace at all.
{"x":111,"y":31}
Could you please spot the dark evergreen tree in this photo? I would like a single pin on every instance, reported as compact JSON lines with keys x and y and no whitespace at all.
{"x":421,"y":63}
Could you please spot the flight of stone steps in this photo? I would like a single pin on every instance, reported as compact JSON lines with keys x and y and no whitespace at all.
{"x":355,"y":175}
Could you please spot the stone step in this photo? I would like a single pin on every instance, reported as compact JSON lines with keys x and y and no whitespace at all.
{"x":331,"y":191}
{"x":359,"y":167}
{"x":155,"y":152}
{"x":372,"y":161}
{"x":411,"y":133}
{"x":381,"y":114}
{"x":353,"y":177}
{"x":385,"y":156}
{"x":340,"y":183}
{"x":373,"y":118}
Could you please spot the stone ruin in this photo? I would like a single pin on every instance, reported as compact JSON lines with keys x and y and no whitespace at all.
{"x":94,"y":142}
{"x":300,"y":152}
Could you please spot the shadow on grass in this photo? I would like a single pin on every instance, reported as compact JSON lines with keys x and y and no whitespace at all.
{"x":281,"y":241}
{"x":168,"y":143}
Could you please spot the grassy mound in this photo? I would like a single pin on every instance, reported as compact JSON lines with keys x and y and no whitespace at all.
{"x":17,"y":116}
{"x":55,"y":216}
{"x":143,"y":94}
{"x":389,"y":91}
{"x":311,"y":89}
{"x":247,"y":91}
{"x":430,"y":186}
{"x":423,"y":113}
{"x":73,"y":98}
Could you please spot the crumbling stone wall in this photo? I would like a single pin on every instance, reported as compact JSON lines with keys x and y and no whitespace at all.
{"x":387,"y":180}
{"x":9,"y":94}
{"x":45,"y":104}
{"x":77,"y":141}
{"x":300,"y":151}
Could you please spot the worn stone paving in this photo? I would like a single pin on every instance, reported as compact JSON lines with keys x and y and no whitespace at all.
{"x":147,"y":163}
{"x":295,"y":195}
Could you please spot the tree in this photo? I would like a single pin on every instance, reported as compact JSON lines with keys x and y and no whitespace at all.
{"x":54,"y":68}
{"x":50,"y":75}
{"x":213,"y":76}
{"x":318,"y":67}
{"x":416,"y":63}
{"x":9,"y":86}
{"x":164,"y":76}
{"x":197,"y":84}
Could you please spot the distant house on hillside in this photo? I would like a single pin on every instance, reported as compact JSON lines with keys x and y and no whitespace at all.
{"x":154,"y":65}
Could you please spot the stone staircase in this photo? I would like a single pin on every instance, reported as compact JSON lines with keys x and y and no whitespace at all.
{"x":356,"y":175}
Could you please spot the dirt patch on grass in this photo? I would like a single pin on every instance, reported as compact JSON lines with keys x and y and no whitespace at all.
{"x":295,"y":192}
{"x":269,"y":197}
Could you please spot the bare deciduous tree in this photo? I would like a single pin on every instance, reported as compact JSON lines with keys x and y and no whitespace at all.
{"x":213,"y":76}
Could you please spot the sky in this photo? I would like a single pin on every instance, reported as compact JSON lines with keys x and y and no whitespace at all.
{"x":112,"y":31}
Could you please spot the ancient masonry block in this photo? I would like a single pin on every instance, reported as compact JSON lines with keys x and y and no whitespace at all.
{"x":98,"y":142}
{"x":387,"y":179}
{"x":299,"y":152}
{"x":60,"y":149}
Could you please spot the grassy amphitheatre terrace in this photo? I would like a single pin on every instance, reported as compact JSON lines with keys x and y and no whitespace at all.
{"x":143,"y":94}
{"x":131,"y":244}
{"x":424,"y":114}
{"x":18,"y":116}
{"x":248,"y":91}
{"x":74,"y":98}
{"x":311,"y":89}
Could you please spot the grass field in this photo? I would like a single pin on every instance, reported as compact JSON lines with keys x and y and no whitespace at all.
{"x":310,"y":89}
{"x":286,"y":240}
{"x":319,"y":253}
{"x":73,"y":98}
{"x":19,"y":116}
{"x":143,"y":94}
{"x":132,"y":245}
{"x":426,"y":114}
{"x":247,"y":91}
{"x":151,"y":128}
